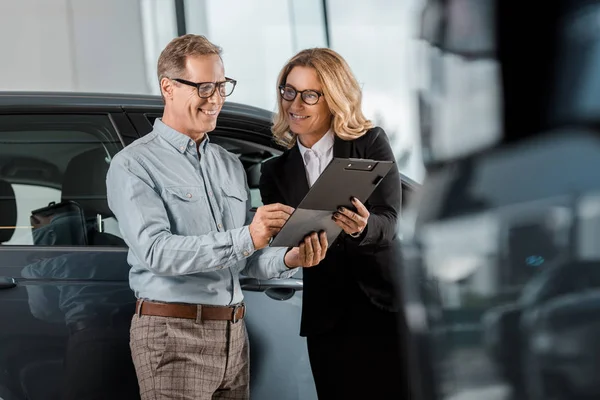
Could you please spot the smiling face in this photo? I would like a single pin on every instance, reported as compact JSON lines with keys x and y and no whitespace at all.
{"x":309,"y":122}
{"x":185,"y":111}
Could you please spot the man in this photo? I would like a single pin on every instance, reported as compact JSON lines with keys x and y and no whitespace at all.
{"x":182,"y":203}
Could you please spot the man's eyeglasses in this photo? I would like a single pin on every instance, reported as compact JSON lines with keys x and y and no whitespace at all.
{"x":207,"y":89}
{"x":310,"y":97}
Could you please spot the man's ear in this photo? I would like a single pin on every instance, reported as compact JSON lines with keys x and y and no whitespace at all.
{"x":166,"y":88}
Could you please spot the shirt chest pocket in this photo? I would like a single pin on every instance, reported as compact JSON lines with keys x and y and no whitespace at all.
{"x":235,"y":200}
{"x":188,"y":210}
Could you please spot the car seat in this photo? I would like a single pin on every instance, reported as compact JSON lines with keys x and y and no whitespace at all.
{"x":8,"y":211}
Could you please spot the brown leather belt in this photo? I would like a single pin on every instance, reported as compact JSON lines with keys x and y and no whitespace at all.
{"x":191,"y":311}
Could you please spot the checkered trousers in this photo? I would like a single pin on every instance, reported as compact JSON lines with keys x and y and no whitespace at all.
{"x":178,"y":358}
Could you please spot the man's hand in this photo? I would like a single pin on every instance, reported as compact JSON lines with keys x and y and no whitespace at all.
{"x":267,"y":222}
{"x":353,"y":223}
{"x":310,"y":253}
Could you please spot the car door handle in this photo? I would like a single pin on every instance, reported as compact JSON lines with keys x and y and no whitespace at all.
{"x":261,"y":285}
{"x":7,"y":283}
{"x":277,"y":289}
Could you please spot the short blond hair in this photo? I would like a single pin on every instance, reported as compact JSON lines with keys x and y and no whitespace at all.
{"x":341,"y":92}
{"x":171,"y":62}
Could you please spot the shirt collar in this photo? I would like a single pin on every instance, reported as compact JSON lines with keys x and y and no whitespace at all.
{"x":321,"y":147}
{"x":177,"y":139}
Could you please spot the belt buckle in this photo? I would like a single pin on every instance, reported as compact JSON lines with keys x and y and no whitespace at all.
{"x":234,"y":319}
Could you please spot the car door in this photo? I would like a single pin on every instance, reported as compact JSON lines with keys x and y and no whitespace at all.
{"x":65,"y":302}
{"x":280,"y":367}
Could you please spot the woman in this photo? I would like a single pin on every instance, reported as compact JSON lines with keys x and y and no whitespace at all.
{"x":350,"y":312}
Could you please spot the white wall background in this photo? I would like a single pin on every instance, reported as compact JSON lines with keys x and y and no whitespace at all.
{"x":113,"y":46}
{"x":72,"y":45}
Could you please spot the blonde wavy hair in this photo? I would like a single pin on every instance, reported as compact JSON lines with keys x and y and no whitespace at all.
{"x":341,"y":92}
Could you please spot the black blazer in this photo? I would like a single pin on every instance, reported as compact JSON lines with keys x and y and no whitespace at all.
{"x":355,"y":280}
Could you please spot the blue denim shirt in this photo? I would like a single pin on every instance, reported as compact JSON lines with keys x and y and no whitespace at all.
{"x":183,"y":213}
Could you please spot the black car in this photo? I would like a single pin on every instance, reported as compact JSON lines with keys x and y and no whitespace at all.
{"x":65,"y":302}
{"x":545,"y":343}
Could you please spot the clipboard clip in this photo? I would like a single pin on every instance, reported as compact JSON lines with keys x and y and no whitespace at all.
{"x":360,"y":166}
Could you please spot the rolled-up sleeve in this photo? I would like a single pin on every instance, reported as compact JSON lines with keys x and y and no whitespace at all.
{"x":144,"y":224}
{"x":268,"y":263}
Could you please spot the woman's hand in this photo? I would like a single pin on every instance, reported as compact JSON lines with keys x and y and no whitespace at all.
{"x":353,"y":223}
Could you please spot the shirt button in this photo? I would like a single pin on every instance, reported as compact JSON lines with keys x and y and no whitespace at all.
{"x":220,"y":226}
{"x":189,"y":195}
{"x":182,"y":148}
{"x":246,"y":253}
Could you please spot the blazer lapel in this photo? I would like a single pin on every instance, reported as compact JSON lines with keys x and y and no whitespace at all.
{"x":342,"y":148}
{"x":293,"y":178}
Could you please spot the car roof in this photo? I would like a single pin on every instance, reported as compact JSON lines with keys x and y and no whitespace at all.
{"x":8,"y":98}
{"x":11,"y":100}
{"x":39,"y":100}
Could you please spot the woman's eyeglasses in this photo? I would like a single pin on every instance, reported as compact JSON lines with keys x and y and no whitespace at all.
{"x":310,"y":97}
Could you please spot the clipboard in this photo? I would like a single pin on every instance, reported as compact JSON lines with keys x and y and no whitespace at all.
{"x":342,"y":179}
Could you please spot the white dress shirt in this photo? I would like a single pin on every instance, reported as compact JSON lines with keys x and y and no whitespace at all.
{"x":317,"y":157}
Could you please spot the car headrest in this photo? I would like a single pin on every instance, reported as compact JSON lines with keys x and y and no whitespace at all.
{"x":253,"y":175}
{"x":8,"y":211}
{"x":84,"y":182}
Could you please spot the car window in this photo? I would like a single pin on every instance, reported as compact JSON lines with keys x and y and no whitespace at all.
{"x":562,"y":279}
{"x":252,"y":155}
{"x":52,"y":180}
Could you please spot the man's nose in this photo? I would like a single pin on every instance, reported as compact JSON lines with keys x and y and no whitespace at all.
{"x":216,"y":98}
